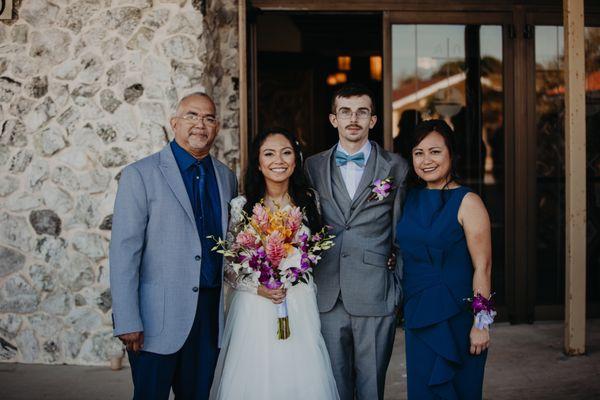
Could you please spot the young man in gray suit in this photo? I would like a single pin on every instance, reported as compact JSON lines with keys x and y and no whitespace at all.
{"x":166,"y":284}
{"x":358,"y":289}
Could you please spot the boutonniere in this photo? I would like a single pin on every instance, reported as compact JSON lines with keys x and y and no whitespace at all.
{"x":381,"y":188}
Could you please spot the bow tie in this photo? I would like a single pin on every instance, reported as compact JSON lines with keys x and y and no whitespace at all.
{"x":343,"y":158}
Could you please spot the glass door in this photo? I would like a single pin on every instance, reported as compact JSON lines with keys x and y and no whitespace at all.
{"x":550,"y":168}
{"x":498,"y":80}
{"x":456,"y":72}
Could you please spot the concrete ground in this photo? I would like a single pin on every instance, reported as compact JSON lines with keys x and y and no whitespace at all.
{"x":525,"y":361}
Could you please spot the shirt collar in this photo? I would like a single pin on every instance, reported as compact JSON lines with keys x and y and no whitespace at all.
{"x":184,"y":159}
{"x":366,"y":150}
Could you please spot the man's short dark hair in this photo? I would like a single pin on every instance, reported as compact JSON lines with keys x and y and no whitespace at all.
{"x":352,"y":90}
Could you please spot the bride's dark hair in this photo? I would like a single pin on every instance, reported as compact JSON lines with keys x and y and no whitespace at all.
{"x":300,"y":192}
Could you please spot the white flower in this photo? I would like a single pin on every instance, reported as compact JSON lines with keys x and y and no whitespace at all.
{"x":303,"y":230}
{"x":292,"y":260}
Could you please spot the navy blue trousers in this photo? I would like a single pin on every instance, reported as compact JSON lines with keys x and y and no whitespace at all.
{"x":190,"y":370}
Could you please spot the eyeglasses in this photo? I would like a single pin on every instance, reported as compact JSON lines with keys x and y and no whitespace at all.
{"x":207,"y":120}
{"x":346,"y":113}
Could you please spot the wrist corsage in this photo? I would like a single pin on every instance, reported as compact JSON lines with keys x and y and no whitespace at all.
{"x":483,"y":310}
{"x":381,"y":188}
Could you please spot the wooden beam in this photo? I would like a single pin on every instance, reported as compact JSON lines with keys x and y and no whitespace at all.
{"x":575,"y":171}
{"x":388,"y":5}
{"x":243,"y":87}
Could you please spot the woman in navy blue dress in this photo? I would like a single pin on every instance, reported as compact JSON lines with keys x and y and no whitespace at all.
{"x":445,"y":240}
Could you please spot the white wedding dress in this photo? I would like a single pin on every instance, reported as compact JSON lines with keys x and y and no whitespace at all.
{"x":253,"y":363}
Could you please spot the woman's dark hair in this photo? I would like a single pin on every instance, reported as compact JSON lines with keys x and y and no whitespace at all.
{"x":421,"y":131}
{"x":301,"y":193}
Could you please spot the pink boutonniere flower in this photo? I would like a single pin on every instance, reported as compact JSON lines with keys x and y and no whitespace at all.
{"x":381,"y":188}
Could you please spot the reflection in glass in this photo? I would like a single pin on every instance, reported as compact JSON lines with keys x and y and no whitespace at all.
{"x":550,"y":185}
{"x":455,"y":72}
{"x":592,"y":99}
{"x":550,"y":163}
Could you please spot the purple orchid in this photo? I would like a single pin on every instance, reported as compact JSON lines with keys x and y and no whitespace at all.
{"x":381,"y":188}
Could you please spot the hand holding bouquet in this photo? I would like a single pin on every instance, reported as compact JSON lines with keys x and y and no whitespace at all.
{"x":276,"y":250}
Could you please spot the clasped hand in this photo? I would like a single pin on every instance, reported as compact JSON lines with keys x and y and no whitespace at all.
{"x":275,"y":295}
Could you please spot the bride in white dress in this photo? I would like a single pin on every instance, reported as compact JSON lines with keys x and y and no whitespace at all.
{"x":253,"y":362}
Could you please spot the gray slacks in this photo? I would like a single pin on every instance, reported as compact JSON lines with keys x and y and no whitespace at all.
{"x":360,"y":349}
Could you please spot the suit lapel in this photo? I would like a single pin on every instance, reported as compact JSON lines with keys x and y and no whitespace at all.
{"x":326,"y":166}
{"x":340,"y":192}
{"x":168,"y":167}
{"x":224,"y":194}
{"x":381,"y":170}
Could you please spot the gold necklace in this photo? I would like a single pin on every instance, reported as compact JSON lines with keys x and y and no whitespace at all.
{"x":278,"y":203}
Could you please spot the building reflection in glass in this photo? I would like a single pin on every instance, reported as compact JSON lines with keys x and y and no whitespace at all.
{"x":455,"y":72}
{"x":550,"y":162}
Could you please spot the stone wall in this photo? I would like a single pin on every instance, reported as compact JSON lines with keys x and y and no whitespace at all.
{"x":86,"y":87}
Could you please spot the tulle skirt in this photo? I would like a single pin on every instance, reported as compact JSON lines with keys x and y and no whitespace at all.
{"x":254,"y":364}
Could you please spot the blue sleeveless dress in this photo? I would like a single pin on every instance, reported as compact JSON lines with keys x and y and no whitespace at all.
{"x":438,"y":276}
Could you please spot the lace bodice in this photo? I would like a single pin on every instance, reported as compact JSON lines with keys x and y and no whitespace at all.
{"x":237,"y":282}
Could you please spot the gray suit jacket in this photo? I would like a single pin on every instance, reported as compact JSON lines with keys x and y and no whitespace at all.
{"x":356,"y":267}
{"x":154,"y":249}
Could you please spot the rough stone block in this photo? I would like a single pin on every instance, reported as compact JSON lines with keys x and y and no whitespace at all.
{"x":37,"y":87}
{"x":20,"y":161}
{"x":8,"y":185}
{"x":133,"y":93}
{"x":42,"y":277}
{"x":8,"y":351}
{"x":14,"y":133}
{"x":40,"y":114}
{"x":45,"y":222}
{"x":50,"y":46}
{"x":28,"y":346}
{"x":8,"y":89}
{"x":49,"y":141}
{"x":14,"y":231}
{"x":91,"y":244}
{"x":114,"y":157}
{"x":10,"y":325}
{"x":10,"y":261}
{"x":18,"y":296}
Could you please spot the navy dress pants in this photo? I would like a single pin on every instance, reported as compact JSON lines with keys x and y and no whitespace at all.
{"x":190,"y":370}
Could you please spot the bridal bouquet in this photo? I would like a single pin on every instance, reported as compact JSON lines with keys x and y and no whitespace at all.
{"x":275,"y":249}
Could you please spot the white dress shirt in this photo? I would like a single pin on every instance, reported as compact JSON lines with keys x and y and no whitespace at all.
{"x":352,"y":173}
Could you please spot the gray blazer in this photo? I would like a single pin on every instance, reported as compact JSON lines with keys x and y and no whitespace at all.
{"x":356,"y":267}
{"x":154,"y":249}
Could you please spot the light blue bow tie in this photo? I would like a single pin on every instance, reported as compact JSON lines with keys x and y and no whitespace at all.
{"x":343,"y":158}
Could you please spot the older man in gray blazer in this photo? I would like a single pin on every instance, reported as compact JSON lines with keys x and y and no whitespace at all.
{"x":166,"y":284}
{"x":358,"y":288}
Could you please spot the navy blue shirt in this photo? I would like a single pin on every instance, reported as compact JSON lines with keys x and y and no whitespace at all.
{"x":207,"y":225}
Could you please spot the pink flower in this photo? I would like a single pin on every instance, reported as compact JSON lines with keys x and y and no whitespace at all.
{"x":274,"y":248}
{"x":246,"y":239}
{"x":260,"y":217}
{"x":294,"y":220}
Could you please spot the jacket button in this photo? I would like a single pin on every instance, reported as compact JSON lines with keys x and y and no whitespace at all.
{"x":197,"y":258}
{"x":344,"y":255}
{"x":195,"y":289}
{"x":347,"y":227}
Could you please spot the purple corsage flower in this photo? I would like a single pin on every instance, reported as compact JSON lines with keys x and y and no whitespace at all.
{"x":381,"y":188}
